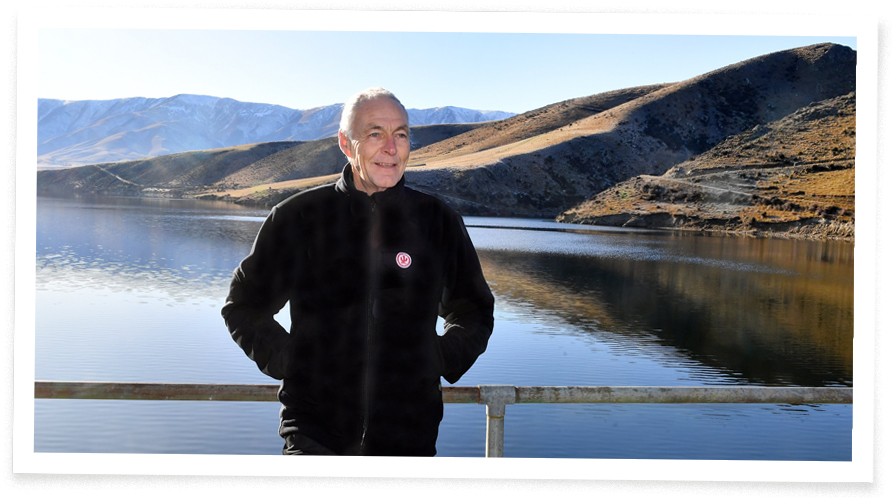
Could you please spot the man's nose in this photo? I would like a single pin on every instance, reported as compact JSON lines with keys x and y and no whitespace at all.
{"x":390,"y":145}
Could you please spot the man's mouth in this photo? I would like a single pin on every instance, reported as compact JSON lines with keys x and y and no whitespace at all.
{"x":386,"y":165}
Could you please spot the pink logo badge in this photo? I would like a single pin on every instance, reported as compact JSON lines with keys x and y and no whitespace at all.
{"x":404,"y":260}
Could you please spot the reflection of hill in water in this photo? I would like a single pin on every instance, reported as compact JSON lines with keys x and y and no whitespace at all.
{"x":791,"y":325}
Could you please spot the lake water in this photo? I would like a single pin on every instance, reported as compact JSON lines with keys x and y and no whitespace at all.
{"x":131,"y":290}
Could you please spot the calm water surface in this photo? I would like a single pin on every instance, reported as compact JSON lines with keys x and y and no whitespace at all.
{"x":131,"y":290}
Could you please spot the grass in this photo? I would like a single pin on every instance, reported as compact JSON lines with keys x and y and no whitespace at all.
{"x":287,"y":185}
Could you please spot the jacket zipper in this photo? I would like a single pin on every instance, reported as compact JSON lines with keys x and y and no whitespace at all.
{"x":370,"y":299}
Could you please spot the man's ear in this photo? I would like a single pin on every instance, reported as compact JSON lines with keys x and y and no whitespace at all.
{"x":345,"y":145}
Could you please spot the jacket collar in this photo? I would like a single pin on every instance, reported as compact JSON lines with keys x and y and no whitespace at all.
{"x":345,"y":185}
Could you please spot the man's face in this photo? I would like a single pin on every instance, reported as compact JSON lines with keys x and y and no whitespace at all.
{"x":381,"y":145}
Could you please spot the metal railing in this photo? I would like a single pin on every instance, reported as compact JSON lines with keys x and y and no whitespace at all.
{"x":495,"y":397}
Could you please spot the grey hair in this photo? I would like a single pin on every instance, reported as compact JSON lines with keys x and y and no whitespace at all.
{"x":347,"y":113}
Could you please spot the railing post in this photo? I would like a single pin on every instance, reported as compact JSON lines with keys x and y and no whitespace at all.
{"x":496,"y":398}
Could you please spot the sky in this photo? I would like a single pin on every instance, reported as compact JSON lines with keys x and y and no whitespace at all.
{"x":513,"y":72}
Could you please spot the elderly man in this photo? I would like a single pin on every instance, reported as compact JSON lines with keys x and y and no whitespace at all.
{"x":367,"y":265}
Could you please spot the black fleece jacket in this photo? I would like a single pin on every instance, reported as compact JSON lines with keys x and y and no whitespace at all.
{"x":366,"y":278}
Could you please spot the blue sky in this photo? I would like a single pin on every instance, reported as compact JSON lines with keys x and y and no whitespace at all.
{"x":512,"y":72}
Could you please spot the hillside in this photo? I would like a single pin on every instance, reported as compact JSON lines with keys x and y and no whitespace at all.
{"x":793,"y":177}
{"x":546,"y":174}
{"x":215,"y":171}
{"x":528,"y":125}
{"x":170,"y":175}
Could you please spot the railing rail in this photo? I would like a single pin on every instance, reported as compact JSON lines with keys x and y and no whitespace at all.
{"x":495,"y":397}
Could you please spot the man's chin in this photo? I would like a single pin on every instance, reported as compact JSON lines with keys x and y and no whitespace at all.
{"x":387,"y":185}
{"x":388,"y":181}
{"x":377,"y":184}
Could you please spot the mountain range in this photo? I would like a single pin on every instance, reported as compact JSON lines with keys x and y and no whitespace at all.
{"x":733,"y":127}
{"x":73,"y":133}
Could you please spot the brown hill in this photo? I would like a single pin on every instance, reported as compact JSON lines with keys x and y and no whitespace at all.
{"x":218,"y":170}
{"x":792,"y":177}
{"x":548,"y":173}
{"x":422,"y":137}
{"x":529,"y":124}
{"x":163,"y":175}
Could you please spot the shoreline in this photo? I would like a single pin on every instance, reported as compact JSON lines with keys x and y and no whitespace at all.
{"x":271,"y":198}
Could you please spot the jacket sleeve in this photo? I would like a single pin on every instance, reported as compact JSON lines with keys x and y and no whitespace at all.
{"x":467,"y":307}
{"x":257,"y":292}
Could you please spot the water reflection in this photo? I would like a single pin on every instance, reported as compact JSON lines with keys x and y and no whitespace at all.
{"x":761,"y":311}
{"x":778,"y":313}
{"x":180,"y":247}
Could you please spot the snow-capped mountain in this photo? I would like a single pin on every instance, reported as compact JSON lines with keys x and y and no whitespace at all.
{"x":71,"y":133}
{"x":450,"y":114}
